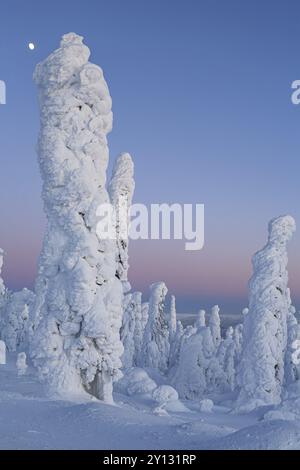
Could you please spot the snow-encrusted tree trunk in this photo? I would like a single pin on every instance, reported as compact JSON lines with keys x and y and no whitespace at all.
{"x":156,"y":347}
{"x":79,"y":295}
{"x":214,"y":324}
{"x":261,"y":371}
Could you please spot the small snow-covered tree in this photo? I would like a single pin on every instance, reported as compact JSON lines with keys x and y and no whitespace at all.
{"x":132,"y":329}
{"x":200,"y":320}
{"x":16,"y":322}
{"x":238,"y":342}
{"x":198,"y":370}
{"x":78,"y":312}
{"x":214,"y":324}
{"x":4,"y":294}
{"x":226,"y":358}
{"x":139,"y":327}
{"x":175,"y":346}
{"x":172,"y":318}
{"x":261,"y":371}
{"x":2,"y":286}
{"x":156,"y":346}
{"x":127,"y":330}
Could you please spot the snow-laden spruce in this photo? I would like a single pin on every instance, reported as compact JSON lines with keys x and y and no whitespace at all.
{"x":172,"y":318}
{"x":214,"y":324}
{"x":2,"y":286}
{"x":292,"y":367}
{"x":121,"y":189}
{"x":261,"y":371}
{"x":16,"y":329}
{"x":195,"y":372}
{"x":79,"y":295}
{"x":156,"y":343}
{"x":132,"y":329}
{"x":200,"y":321}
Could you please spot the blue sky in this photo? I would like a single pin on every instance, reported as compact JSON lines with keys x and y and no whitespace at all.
{"x":201,"y":98}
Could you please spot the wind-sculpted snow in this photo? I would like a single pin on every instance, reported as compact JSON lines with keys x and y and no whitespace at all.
{"x":265,"y":326}
{"x":78,"y":310}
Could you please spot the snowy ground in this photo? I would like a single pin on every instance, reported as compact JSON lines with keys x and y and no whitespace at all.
{"x":29,"y":420}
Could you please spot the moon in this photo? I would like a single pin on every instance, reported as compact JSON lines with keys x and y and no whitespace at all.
{"x":31,"y":46}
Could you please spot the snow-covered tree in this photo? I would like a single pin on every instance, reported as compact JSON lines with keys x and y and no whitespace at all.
{"x":214,"y":324}
{"x":291,"y":367}
{"x":2,"y":286}
{"x":4,"y":294}
{"x":121,"y":188}
{"x":79,"y":295}
{"x":127,"y":330}
{"x":156,"y":347}
{"x":132,"y":329}
{"x":261,"y":371}
{"x":139,"y":327}
{"x":175,"y":346}
{"x":172,"y":318}
{"x":238,"y":342}
{"x":16,"y":321}
{"x":198,"y":370}
{"x":226,"y":358}
{"x":200,"y":320}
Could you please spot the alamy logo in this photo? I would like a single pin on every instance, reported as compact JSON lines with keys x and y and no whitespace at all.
{"x":296,"y":94}
{"x":2,"y":92}
{"x":162,"y":221}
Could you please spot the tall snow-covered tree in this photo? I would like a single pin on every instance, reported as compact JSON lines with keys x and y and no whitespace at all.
{"x":121,"y":188}
{"x":172,"y":318}
{"x":79,"y":295}
{"x":200,"y":319}
{"x":214,"y":324}
{"x":156,"y":347}
{"x":261,"y":371}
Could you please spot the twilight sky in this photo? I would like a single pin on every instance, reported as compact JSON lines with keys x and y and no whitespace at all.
{"x":201,"y":99}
